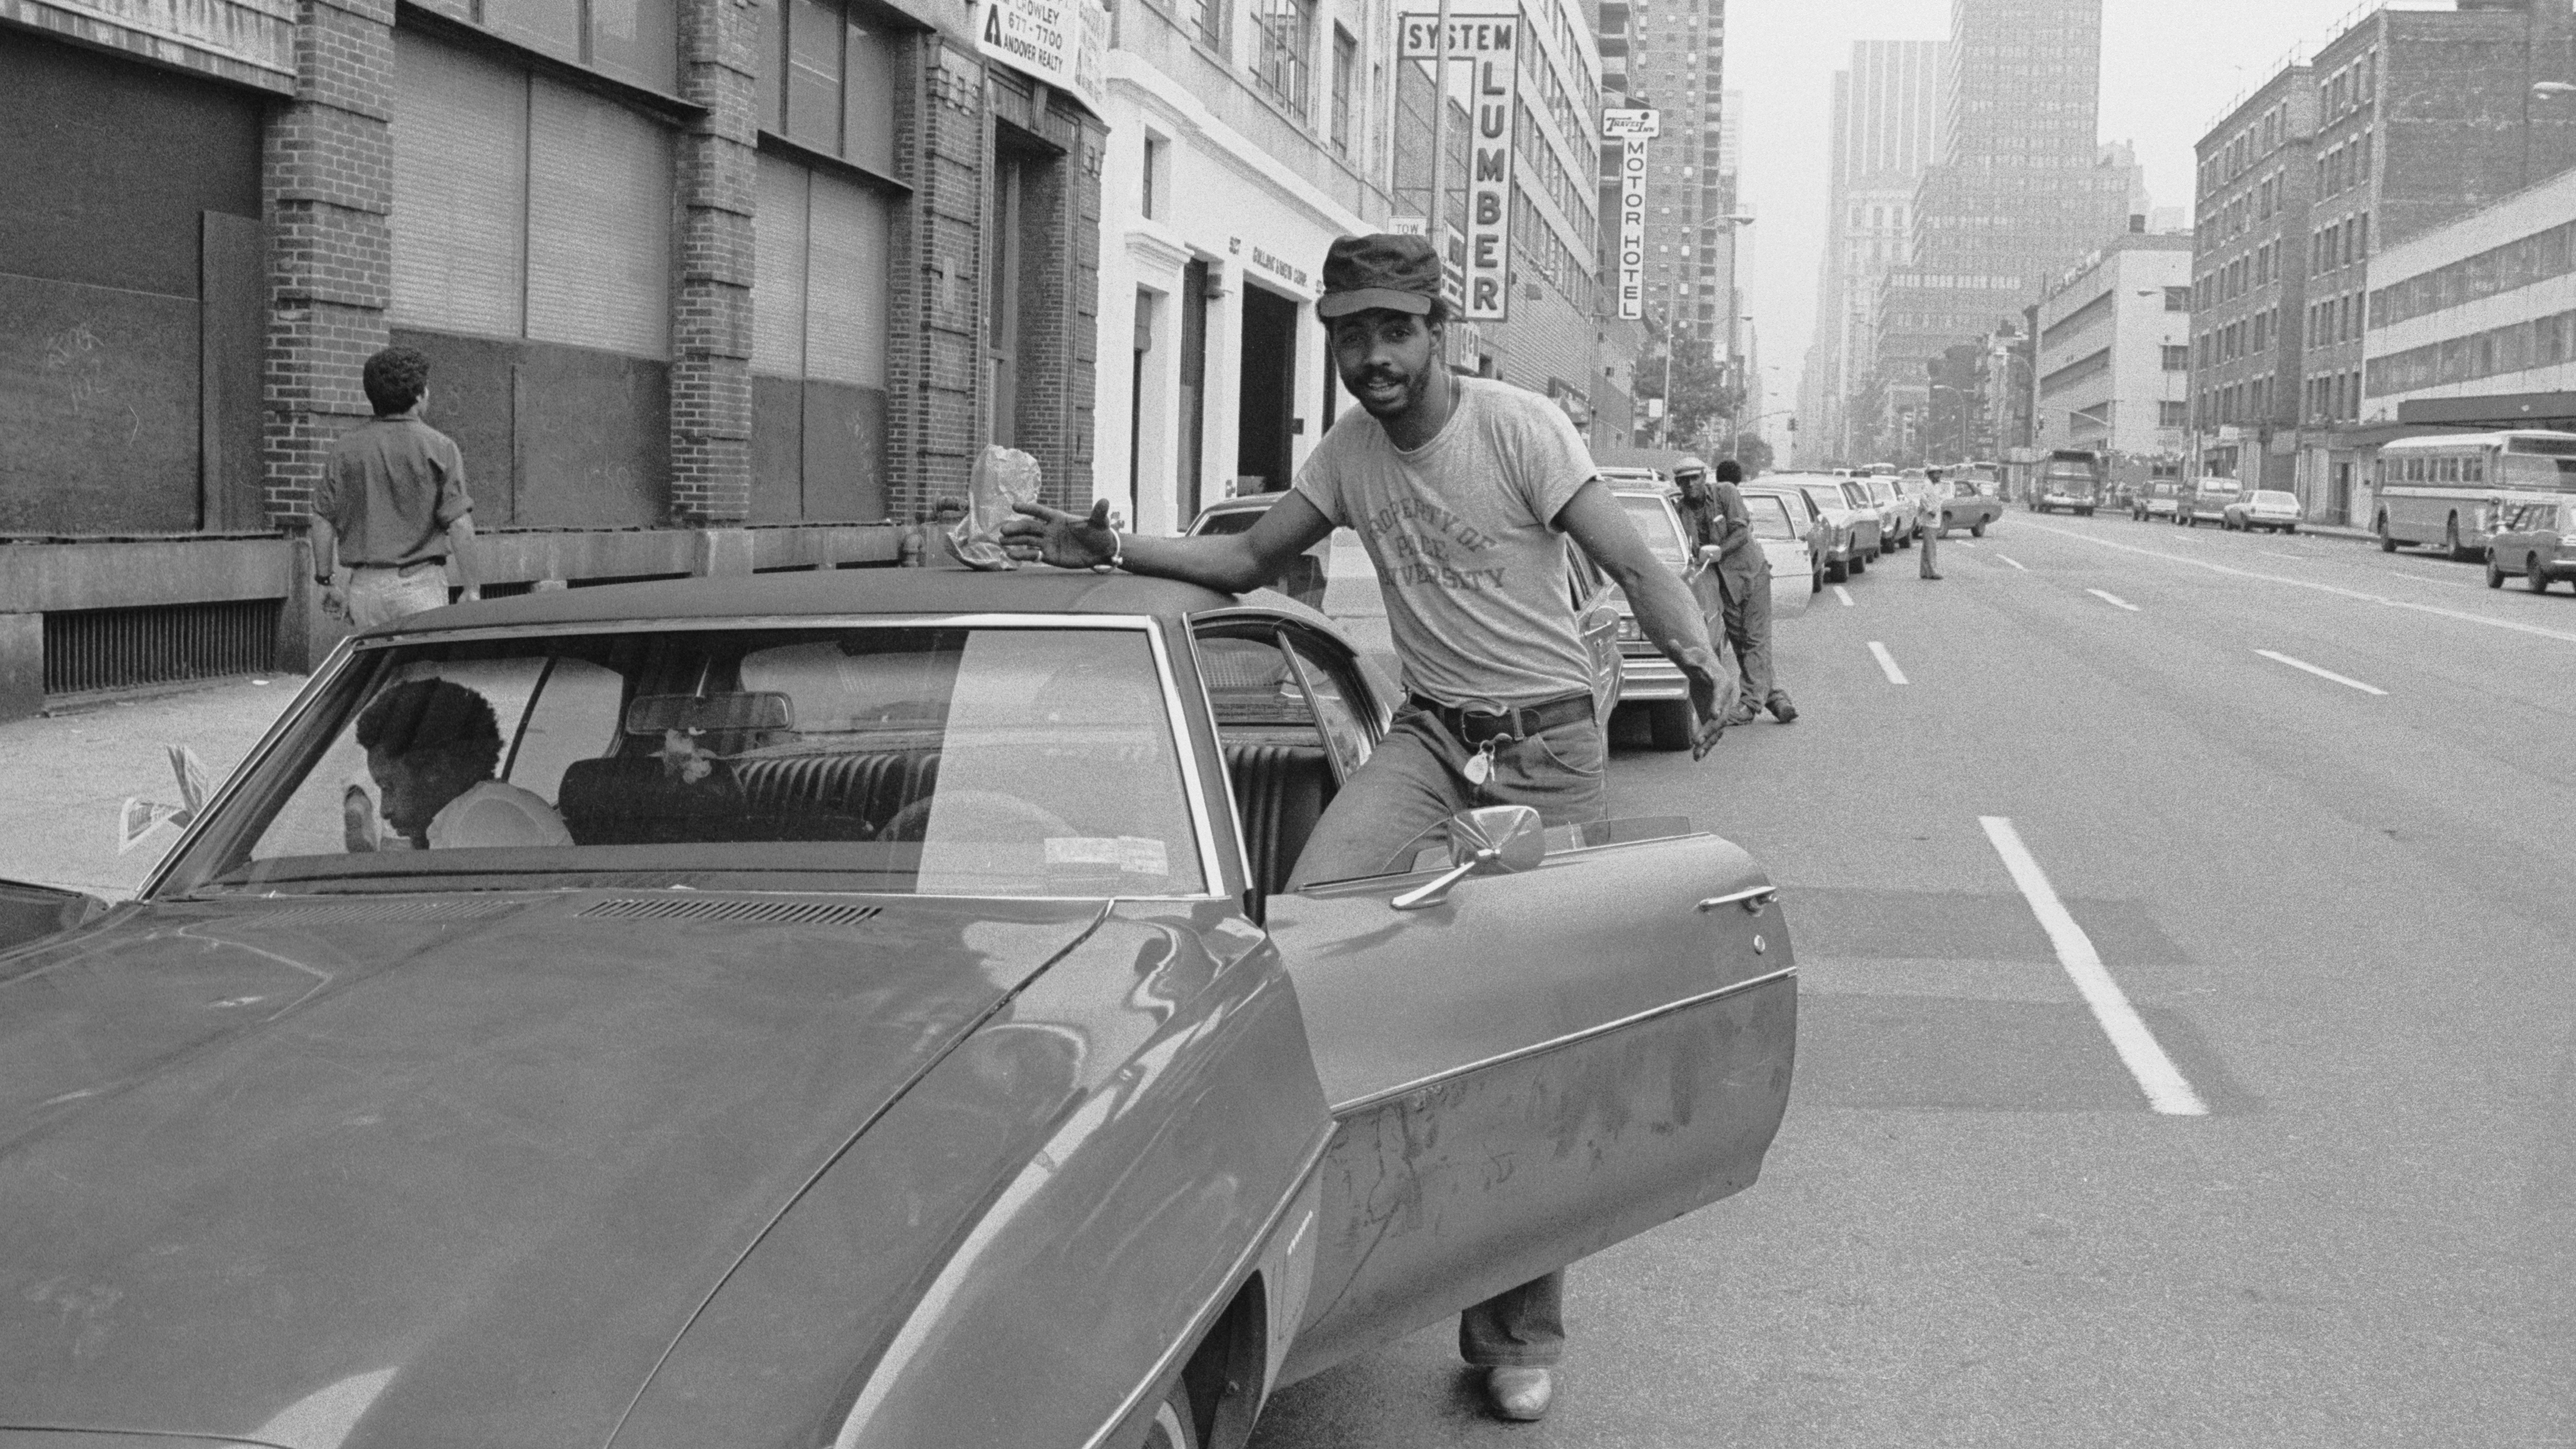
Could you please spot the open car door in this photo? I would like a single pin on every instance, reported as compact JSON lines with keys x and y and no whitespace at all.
{"x":33,"y":912}
{"x":1534,"y":1067}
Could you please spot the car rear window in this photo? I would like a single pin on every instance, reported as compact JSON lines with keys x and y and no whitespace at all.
{"x":1658,"y":525}
{"x":1770,"y":517}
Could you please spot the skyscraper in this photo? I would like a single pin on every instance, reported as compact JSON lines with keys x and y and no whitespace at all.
{"x":2021,"y":191}
{"x":1672,"y":57}
{"x":1886,"y":131}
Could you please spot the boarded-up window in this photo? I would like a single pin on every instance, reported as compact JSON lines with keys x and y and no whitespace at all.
{"x":818,"y":344}
{"x":831,"y":73}
{"x":525,"y":208}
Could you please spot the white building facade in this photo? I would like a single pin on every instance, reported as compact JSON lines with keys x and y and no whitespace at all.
{"x":2474,"y":323}
{"x":1245,"y":135}
{"x":2114,"y":359}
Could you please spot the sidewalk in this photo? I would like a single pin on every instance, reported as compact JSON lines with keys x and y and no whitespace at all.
{"x":62,"y":777}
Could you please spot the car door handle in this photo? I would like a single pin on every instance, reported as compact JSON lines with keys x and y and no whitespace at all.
{"x":1752,"y":900}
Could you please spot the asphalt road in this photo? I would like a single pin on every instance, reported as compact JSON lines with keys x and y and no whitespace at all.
{"x":2342,"y":914}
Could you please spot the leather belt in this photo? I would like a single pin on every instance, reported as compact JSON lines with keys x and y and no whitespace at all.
{"x":1475,"y":726}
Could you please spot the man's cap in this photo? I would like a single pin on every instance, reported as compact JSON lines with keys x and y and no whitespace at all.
{"x":1689,"y":464}
{"x":1388,"y":270}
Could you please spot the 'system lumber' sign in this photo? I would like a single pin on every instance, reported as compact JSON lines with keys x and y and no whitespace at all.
{"x":1489,"y":44}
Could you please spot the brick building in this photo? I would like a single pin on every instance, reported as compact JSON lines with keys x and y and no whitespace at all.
{"x":707,"y":287}
{"x":2252,"y":191}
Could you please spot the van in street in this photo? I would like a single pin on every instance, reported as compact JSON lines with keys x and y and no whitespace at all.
{"x":2208,"y":502}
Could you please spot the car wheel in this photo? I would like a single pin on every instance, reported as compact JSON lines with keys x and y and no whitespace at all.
{"x":1860,"y":563}
{"x":2451,"y":536}
{"x":1976,"y":530}
{"x":1174,"y":1427}
{"x":1668,"y":724}
{"x":2532,"y":576}
{"x":2387,"y":544}
{"x":2495,"y":573}
{"x":1837,"y":570}
{"x":2289,"y":528}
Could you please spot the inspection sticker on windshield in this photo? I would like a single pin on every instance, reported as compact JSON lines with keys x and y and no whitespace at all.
{"x":1133,"y":854}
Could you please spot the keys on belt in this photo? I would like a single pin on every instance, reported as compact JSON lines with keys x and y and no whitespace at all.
{"x":1483,"y":731}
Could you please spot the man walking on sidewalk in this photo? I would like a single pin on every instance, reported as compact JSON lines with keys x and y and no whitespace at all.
{"x":392,"y":500}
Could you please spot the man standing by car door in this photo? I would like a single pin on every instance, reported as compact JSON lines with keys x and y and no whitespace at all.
{"x":1462,"y":490}
{"x":1744,"y":586}
{"x":1932,"y":529}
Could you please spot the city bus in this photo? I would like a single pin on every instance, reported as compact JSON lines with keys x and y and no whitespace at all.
{"x":2069,"y":478}
{"x":2449,"y":490}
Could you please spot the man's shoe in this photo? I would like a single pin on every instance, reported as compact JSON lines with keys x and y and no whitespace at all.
{"x":1520,"y":1394}
{"x":1782,"y":710}
{"x":1931,"y":576}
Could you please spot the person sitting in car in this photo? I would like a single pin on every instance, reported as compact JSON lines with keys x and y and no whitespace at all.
{"x":433,"y":749}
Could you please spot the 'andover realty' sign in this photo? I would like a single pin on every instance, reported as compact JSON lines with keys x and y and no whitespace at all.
{"x":1488,"y":43}
{"x":1634,"y":129}
{"x":1061,"y":42}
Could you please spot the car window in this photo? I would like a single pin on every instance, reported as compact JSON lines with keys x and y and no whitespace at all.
{"x":1231,"y":520}
{"x":933,"y":761}
{"x":1334,"y":692}
{"x":1657,"y":524}
{"x":1771,"y":518}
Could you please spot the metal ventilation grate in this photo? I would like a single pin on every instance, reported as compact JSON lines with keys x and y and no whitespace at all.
{"x":395,"y":911}
{"x":767,"y":913}
{"x":92,"y":649}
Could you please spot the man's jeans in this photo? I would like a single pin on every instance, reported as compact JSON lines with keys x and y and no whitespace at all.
{"x":382,"y":595}
{"x":1397,"y":802}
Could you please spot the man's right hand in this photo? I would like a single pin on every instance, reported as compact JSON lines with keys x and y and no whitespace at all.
{"x":1065,"y":540}
{"x":335,"y":605}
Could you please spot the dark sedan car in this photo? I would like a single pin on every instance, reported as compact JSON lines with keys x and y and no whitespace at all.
{"x":835,"y":1009}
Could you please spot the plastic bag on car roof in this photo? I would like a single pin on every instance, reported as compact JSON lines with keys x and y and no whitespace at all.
{"x":1003,"y":479}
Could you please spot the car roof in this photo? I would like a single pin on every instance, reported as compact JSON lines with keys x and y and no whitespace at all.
{"x":941,"y":589}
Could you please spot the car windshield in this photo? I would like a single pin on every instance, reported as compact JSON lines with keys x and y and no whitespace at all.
{"x":1770,"y":517}
{"x":1827,"y":495}
{"x":1883,"y":490}
{"x":1857,"y":495}
{"x":2277,"y":500}
{"x":1657,"y":525}
{"x":1005,"y":761}
{"x":1228,"y":520}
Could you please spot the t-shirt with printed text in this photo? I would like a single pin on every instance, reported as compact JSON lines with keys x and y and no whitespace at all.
{"x":1463,"y":533}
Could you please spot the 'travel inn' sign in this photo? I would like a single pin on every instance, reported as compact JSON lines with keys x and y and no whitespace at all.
{"x":1487,"y":43}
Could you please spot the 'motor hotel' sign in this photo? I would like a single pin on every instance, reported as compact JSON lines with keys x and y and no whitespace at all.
{"x":1487,"y":43}
{"x":1635,"y":129}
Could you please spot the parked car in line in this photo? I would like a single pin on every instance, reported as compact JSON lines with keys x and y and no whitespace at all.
{"x":2207,"y":502}
{"x":903,"y":1036}
{"x":1648,"y":680}
{"x":1874,"y":532}
{"x":1622,"y":477}
{"x":1826,"y":544}
{"x":1897,"y":517}
{"x":2265,"y":508}
{"x":2534,"y":541}
{"x":1342,"y":582}
{"x":1969,"y":504}
{"x":2158,"y":499}
{"x":1853,"y":535}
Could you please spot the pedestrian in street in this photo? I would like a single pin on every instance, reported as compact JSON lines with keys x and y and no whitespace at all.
{"x":1932,"y":529}
{"x":1744,"y":586}
{"x":391,"y":503}
{"x":1462,"y":490}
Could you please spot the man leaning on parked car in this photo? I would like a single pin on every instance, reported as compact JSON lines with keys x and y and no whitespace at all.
{"x":1462,"y":490}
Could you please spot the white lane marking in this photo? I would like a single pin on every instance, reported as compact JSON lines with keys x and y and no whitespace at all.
{"x":2114,"y":600}
{"x":1844,"y":594}
{"x":2320,"y":673}
{"x":2357,"y":595}
{"x":2016,"y":563}
{"x":2429,"y":579}
{"x":2293,"y":557}
{"x":1887,"y":662}
{"x":2156,"y":1074}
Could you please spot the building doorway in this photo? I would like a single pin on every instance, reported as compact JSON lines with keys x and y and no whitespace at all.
{"x":1189,"y":488}
{"x":2339,"y":495}
{"x":1262,"y":452}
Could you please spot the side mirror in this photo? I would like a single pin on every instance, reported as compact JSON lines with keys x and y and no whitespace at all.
{"x":1494,"y":840}
{"x":1710,"y":553}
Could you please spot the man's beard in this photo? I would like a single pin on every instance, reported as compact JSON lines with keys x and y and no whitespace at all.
{"x":1410,"y":392}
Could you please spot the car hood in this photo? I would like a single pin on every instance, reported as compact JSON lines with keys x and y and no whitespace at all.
{"x":268,"y":1167}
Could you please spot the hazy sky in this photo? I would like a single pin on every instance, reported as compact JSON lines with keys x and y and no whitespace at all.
{"x":2170,"y":68}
